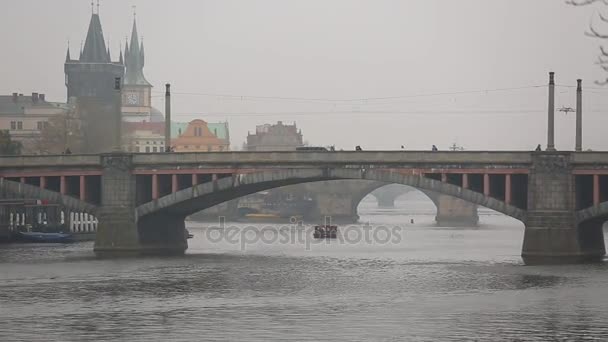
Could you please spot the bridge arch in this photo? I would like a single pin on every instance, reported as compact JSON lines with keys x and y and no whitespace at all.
{"x":12,"y":189}
{"x":375,"y":185}
{"x":199,"y":197}
{"x":597,"y":213}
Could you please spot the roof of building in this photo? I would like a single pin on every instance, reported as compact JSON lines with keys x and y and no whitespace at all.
{"x":95,"y":50}
{"x":17,"y":104}
{"x":155,"y":127}
{"x":220,"y":130}
{"x":156,"y":115}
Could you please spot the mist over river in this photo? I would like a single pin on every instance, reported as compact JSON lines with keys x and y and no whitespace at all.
{"x":427,"y":284}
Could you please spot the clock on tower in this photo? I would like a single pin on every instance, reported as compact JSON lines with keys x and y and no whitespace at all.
{"x":132,"y":99}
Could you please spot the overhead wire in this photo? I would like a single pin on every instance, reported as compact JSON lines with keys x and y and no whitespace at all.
{"x":363,"y":99}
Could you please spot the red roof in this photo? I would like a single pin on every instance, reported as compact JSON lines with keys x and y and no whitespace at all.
{"x":156,"y":127}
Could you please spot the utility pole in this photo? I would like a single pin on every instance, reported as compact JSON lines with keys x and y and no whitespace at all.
{"x":168,"y":117}
{"x":579,"y":116}
{"x":551,"y":112}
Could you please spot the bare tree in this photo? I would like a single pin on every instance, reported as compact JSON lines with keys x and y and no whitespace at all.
{"x":7,"y":145}
{"x":596,"y":33}
{"x":63,"y":133}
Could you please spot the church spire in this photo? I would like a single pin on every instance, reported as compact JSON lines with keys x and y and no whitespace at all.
{"x":126,"y":49}
{"x":134,"y":48}
{"x":134,"y":59}
{"x":141,"y":53}
{"x":67,"y":55}
{"x":95,"y":50}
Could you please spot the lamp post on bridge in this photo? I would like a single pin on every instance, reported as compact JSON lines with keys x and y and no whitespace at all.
{"x":551,"y":118}
{"x":579,"y":116}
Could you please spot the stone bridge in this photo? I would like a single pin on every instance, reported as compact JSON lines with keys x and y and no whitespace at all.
{"x":141,"y":200}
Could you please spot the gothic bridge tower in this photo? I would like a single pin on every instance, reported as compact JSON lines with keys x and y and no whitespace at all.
{"x":90,"y":81}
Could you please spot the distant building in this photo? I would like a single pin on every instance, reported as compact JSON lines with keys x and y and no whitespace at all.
{"x":144,"y":137}
{"x":200,"y":136}
{"x":25,"y":116}
{"x":194,"y":136}
{"x":279,"y":137}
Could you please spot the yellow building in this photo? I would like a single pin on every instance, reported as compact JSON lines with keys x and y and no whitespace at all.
{"x":198,"y":137}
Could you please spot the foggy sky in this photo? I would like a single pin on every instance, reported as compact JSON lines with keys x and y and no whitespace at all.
{"x":337,"y":50}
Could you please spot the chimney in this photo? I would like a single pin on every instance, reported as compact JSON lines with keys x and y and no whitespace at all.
{"x":34,"y":97}
{"x":168,"y":117}
{"x":15,"y":97}
{"x":42,"y":97}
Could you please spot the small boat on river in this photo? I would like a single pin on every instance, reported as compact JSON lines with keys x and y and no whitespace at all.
{"x":325,"y":232}
{"x":45,"y":237}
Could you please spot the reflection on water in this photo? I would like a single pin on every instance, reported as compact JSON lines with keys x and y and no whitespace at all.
{"x":436,"y":284}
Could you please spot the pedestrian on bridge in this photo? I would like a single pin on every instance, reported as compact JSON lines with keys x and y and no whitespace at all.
{"x":434,"y":148}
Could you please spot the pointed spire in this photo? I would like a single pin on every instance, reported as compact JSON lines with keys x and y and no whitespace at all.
{"x":134,"y":59}
{"x":67,"y":55}
{"x":141,"y":53}
{"x":134,"y":48}
{"x":95,"y":50}
{"x":120,"y":59}
{"x":80,"y":56}
{"x":126,"y":49}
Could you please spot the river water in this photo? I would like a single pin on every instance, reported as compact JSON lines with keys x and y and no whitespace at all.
{"x":424,"y":284}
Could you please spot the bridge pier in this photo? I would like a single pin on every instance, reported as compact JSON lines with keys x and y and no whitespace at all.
{"x":120,"y":233}
{"x":552,"y":234}
{"x":554,"y":238}
{"x":454,"y":212}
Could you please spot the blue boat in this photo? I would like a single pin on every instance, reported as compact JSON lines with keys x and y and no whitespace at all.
{"x":45,"y":237}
